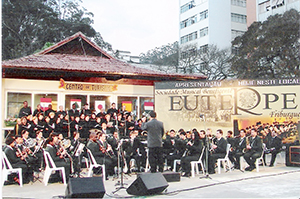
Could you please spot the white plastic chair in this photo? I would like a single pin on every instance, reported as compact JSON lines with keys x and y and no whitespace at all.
{"x":147,"y":161}
{"x":195,"y":164}
{"x":177,"y":161}
{"x":260,"y":159}
{"x":50,"y":167}
{"x":224,"y":161}
{"x":94,"y":164}
{"x":8,"y":169}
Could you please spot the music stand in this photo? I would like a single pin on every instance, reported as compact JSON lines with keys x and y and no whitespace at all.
{"x":206,"y":174}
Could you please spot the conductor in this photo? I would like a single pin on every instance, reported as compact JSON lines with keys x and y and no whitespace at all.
{"x":155,"y":131}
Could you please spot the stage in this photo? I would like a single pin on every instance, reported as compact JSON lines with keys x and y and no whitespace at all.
{"x":272,"y":182}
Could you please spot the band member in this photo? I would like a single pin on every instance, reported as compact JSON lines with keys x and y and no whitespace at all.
{"x":254,"y":150}
{"x":18,"y":127}
{"x":218,"y":150}
{"x":192,"y":153}
{"x":230,"y":139}
{"x":179,"y":149}
{"x":112,"y":110}
{"x":121,"y":125}
{"x":129,"y":124}
{"x":133,"y":149}
{"x":273,"y":146}
{"x":237,"y":149}
{"x":15,"y":161}
{"x":110,"y":124}
{"x":49,"y":110}
{"x":57,"y":155}
{"x":114,"y":141}
{"x":73,"y":112}
{"x":76,"y":152}
{"x":38,"y":110}
{"x":75,"y":124}
{"x":169,"y":143}
{"x":29,"y":147}
{"x":25,"y":110}
{"x":61,"y":111}
{"x":155,"y":131}
{"x":86,"y":111}
{"x":99,"y":150}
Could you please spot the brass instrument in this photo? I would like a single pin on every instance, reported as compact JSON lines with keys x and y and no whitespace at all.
{"x":21,"y":154}
{"x":212,"y":143}
{"x":104,"y":150}
{"x":247,"y":143}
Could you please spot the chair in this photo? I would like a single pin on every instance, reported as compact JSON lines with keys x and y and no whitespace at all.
{"x":147,"y":161}
{"x":195,"y":164}
{"x":175,"y":164}
{"x":224,"y":161}
{"x":94,"y":164}
{"x":8,"y":169}
{"x":50,"y":167}
{"x":260,"y":159}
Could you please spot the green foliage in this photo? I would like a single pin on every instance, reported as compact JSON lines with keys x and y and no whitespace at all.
{"x":269,"y":49}
{"x":27,"y":25}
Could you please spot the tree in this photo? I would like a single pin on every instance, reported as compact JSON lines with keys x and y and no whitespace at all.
{"x":269,"y":49}
{"x":29,"y":25}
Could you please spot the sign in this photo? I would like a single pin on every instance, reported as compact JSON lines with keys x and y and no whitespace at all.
{"x":87,"y":87}
{"x":77,"y":103}
{"x":99,"y":105}
{"x":128,"y":105}
{"x":44,"y":102}
{"x":179,"y":104}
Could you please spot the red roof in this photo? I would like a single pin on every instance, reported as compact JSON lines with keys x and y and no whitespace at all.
{"x":78,"y":54}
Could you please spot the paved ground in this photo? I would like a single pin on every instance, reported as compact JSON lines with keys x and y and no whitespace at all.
{"x":272,"y":182}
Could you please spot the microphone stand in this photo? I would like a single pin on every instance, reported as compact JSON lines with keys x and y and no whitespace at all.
{"x":205,"y":171}
{"x":121,"y":183}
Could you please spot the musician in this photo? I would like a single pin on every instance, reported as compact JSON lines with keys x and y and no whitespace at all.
{"x":57,"y":155}
{"x":155,"y":131}
{"x":99,"y":149}
{"x":25,"y":125}
{"x":73,"y":112}
{"x":179,"y":149}
{"x":48,"y":128}
{"x":254,"y":150}
{"x":121,"y":124}
{"x":61,"y":111}
{"x":230,"y":139}
{"x":17,"y":162}
{"x":93,"y":121}
{"x":101,"y":114}
{"x":114,"y":141}
{"x":129,"y":124}
{"x":49,"y":110}
{"x":41,"y":125}
{"x":86,"y":111}
{"x":237,"y":149}
{"x":273,"y":146}
{"x":40,"y":140}
{"x":31,"y":125}
{"x":76,"y":155}
{"x":110,"y":124}
{"x":169,"y":143}
{"x":112,"y":110}
{"x":38,"y":110}
{"x":97,"y":125}
{"x":218,"y":150}
{"x":27,"y":145}
{"x":75,"y":125}
{"x":123,"y":111}
{"x":25,"y":110}
{"x":18,"y":127}
{"x":192,"y":153}
{"x":133,"y":149}
{"x":86,"y":126}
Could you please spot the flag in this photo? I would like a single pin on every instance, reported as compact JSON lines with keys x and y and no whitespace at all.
{"x":148,"y":106}
{"x":99,"y":105}
{"x":128,"y":105}
{"x":44,"y":102}
{"x":77,"y":103}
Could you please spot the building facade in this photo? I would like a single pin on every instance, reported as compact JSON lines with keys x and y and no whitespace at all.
{"x":205,"y":22}
{"x":266,"y":8}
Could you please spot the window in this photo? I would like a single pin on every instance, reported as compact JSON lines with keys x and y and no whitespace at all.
{"x":238,"y":18}
{"x":203,"y":15}
{"x":52,"y":99}
{"x":146,"y":105}
{"x":187,"y":6}
{"x":79,"y":100}
{"x":188,"y":22}
{"x":241,"y":3}
{"x":15,"y":103}
{"x":235,"y":33}
{"x":204,"y":32}
{"x":130,"y":103}
{"x":203,"y":49}
{"x":189,"y":37}
{"x":97,"y":102}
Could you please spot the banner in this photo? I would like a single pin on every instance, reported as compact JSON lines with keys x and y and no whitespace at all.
{"x":44,"y":102}
{"x":148,"y":106}
{"x":247,"y":102}
{"x":99,"y":105}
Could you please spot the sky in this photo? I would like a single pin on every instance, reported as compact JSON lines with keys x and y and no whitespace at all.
{"x":135,"y":25}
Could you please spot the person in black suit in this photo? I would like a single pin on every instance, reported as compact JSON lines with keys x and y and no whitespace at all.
{"x":112,"y":110}
{"x":254,"y":150}
{"x":218,"y":150}
{"x":25,"y":110}
{"x":86,"y":111}
{"x":134,"y":149}
{"x":238,"y":146}
{"x":193,"y":152}
{"x":155,"y":131}
{"x":57,"y":155}
{"x":73,"y":112}
{"x":17,"y":162}
{"x":38,"y":110}
{"x":273,"y":146}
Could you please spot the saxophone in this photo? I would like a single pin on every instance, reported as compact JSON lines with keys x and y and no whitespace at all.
{"x":247,"y":143}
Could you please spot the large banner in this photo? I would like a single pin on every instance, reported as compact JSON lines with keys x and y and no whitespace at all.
{"x":223,"y":104}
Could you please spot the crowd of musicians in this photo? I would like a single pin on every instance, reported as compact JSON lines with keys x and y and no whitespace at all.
{"x":115,"y":139}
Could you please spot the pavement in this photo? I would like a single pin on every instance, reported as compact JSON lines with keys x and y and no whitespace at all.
{"x":270,"y":182}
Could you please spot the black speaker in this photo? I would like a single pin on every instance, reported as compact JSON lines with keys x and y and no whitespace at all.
{"x":148,"y":184}
{"x":85,"y":188}
{"x":236,"y":131}
{"x":292,"y":156}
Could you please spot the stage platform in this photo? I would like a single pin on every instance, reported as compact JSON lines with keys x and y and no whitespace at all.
{"x":272,"y":182}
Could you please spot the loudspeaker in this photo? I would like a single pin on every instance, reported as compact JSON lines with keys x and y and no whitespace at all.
{"x":170,"y":176}
{"x":148,"y":184}
{"x":236,"y":131}
{"x":292,"y":156}
{"x":85,"y":188}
